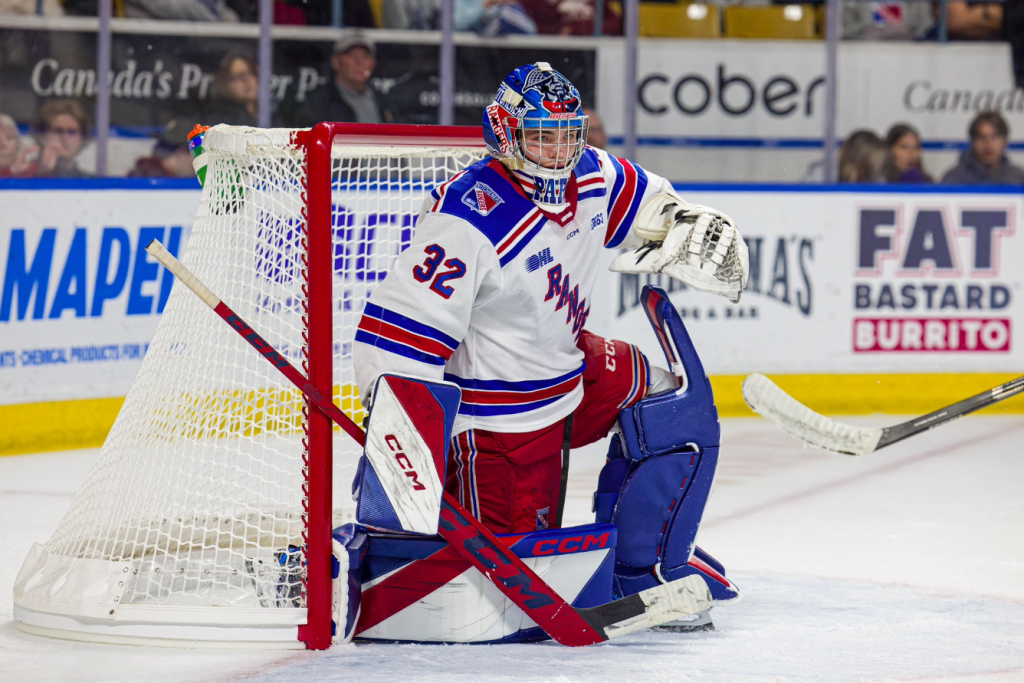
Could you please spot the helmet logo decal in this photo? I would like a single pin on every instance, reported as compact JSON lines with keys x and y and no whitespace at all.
{"x":558,"y":93}
{"x":499,"y":117}
{"x":482,"y":199}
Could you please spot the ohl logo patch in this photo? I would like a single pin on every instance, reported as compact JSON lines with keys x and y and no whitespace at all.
{"x":539,"y":260}
{"x":482,"y":199}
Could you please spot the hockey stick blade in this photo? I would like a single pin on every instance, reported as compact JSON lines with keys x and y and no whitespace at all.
{"x":766,"y":399}
{"x":470,"y":538}
{"x":652,"y":607}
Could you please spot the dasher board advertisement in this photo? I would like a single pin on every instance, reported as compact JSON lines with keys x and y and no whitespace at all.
{"x":773,"y":93}
{"x":80,"y":298}
{"x":869,"y":281}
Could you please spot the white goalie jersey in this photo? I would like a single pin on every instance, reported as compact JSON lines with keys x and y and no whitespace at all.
{"x":493,"y":293}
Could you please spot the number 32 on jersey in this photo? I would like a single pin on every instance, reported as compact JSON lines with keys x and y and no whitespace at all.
{"x":429,"y":271}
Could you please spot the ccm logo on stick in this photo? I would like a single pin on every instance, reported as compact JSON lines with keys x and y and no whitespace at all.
{"x":404,"y":462}
{"x":572,"y":544}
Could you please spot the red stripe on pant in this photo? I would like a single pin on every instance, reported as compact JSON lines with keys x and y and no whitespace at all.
{"x":510,"y":481}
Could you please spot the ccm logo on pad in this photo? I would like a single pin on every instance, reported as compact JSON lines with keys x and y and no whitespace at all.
{"x":404,"y":462}
{"x":572,"y":544}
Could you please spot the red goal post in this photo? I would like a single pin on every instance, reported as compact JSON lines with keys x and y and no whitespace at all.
{"x":319,"y":143}
{"x":207,"y":516}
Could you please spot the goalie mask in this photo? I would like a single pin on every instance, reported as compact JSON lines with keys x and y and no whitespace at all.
{"x":537,"y":128}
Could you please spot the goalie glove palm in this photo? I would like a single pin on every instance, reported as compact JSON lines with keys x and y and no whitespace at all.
{"x":702,"y":248}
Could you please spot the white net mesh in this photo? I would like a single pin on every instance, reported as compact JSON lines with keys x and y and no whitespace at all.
{"x":200,"y":483}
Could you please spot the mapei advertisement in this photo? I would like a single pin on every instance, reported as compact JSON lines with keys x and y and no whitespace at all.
{"x":854,"y":282}
{"x":79,"y":296}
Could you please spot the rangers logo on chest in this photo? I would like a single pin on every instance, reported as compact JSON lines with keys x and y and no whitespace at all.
{"x":482,"y":199}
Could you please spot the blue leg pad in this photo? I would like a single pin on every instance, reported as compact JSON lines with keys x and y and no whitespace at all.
{"x":660,"y":470}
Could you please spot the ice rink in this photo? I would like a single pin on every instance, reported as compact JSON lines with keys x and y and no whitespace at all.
{"x":903,"y":565}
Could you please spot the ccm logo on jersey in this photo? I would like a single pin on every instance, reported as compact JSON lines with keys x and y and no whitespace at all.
{"x":404,"y":462}
{"x":572,"y":544}
{"x":482,"y":199}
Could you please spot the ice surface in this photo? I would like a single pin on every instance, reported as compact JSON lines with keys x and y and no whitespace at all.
{"x":904,"y":565}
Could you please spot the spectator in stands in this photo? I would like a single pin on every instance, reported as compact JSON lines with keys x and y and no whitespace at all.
{"x":14,"y":159}
{"x":974,"y":20}
{"x":572,"y":17}
{"x":861,"y":158}
{"x":985,"y":161}
{"x":236,"y":89}
{"x":354,"y":14}
{"x":349,"y":96}
{"x":595,"y":130}
{"x":180,"y":10}
{"x":903,"y":156}
{"x":285,"y":13}
{"x":61,"y":127}
{"x":498,"y":18}
{"x":911,"y":20}
{"x":170,"y":157}
{"x":416,"y":15}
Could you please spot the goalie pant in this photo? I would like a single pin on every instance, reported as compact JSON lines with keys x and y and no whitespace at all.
{"x":510,"y":481}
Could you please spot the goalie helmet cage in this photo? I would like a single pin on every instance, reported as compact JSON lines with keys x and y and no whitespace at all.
{"x":207,"y":516}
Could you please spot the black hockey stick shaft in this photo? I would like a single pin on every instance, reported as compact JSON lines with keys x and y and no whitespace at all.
{"x":891,"y":435}
{"x":470,"y":538}
{"x":564,"y":486}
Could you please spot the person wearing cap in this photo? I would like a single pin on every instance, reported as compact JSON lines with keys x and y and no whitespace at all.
{"x":170,"y":157}
{"x":349,"y":97}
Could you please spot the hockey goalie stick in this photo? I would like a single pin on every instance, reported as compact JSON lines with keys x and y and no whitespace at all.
{"x":765,"y":398}
{"x":566,"y":624}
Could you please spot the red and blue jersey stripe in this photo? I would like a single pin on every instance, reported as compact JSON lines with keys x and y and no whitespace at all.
{"x":624,"y":202}
{"x":439,"y":192}
{"x":591,"y":186}
{"x":485,"y":398}
{"x":590,"y":182}
{"x":398,"y":334}
{"x":520,"y":236}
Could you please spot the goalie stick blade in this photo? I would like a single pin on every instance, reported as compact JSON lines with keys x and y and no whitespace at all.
{"x":649,"y":608}
{"x":766,"y":399}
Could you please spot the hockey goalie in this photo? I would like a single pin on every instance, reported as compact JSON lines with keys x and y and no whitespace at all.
{"x":483,"y":317}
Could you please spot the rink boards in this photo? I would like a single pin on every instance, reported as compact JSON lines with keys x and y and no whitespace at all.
{"x":862,"y":299}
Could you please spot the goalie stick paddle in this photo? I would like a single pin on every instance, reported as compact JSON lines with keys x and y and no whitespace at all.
{"x":766,"y":399}
{"x":566,"y":624}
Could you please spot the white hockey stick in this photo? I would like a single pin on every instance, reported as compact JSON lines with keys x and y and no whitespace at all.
{"x":766,"y":399}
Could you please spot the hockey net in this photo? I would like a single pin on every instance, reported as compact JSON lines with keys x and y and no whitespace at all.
{"x":194,"y":523}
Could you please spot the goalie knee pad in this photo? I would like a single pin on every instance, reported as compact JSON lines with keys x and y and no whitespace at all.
{"x":660,"y":471}
{"x":401,"y":475}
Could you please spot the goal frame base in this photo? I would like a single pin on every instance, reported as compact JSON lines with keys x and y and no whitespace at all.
{"x":131,"y":630}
